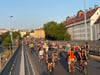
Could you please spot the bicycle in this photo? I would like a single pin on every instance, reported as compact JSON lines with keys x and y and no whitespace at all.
{"x":41,"y":60}
{"x":51,"y":69}
{"x":73,"y":68}
{"x":84,"y":68}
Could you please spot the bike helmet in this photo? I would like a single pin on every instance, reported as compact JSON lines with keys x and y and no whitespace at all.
{"x":75,"y":43}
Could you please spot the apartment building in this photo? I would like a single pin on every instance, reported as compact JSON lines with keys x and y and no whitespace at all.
{"x":76,"y":27}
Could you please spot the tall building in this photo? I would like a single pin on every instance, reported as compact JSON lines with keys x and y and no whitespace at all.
{"x":76,"y":26}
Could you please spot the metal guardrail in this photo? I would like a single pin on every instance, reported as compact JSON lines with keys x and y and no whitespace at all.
{"x":7,"y":67}
{"x":94,"y":46}
{"x":95,"y":50}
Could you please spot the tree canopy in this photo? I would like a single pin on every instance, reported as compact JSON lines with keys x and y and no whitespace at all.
{"x":56,"y":31}
{"x":7,"y":38}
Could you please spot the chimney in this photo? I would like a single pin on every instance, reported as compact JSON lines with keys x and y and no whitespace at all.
{"x":80,"y":13}
{"x":67,"y":19}
{"x":90,"y":8}
{"x":95,"y":6}
{"x":74,"y":15}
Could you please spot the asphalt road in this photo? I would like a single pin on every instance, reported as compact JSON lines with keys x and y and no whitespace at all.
{"x":61,"y":68}
{"x":36,"y":68}
{"x":17,"y":63}
{"x":16,"y":67}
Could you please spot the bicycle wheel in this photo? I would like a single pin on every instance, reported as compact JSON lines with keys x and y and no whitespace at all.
{"x":85,"y":70}
{"x":73,"y":72}
{"x":73,"y":69}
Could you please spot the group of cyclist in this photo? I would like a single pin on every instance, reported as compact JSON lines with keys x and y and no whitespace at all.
{"x":77,"y":54}
{"x":51,"y":52}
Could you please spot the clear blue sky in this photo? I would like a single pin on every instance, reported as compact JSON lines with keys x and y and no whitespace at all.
{"x":35,"y":13}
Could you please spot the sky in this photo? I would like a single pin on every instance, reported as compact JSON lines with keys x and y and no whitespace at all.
{"x":33,"y":14}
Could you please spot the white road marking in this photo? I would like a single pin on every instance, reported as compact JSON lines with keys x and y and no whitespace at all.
{"x":22,"y":68}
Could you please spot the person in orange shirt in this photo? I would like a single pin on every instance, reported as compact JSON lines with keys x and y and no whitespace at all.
{"x":70,"y":58}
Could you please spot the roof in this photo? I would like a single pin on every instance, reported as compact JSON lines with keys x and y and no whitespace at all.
{"x":79,"y":18}
{"x":39,"y":29}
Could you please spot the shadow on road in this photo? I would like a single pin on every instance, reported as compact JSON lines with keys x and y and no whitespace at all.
{"x":63,"y":61}
{"x":97,"y":61}
{"x":44,"y":73}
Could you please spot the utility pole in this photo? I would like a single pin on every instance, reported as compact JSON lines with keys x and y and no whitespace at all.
{"x":11,"y":32}
{"x":85,"y":21}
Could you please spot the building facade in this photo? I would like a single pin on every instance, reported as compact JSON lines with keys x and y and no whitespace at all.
{"x":3,"y":31}
{"x":76,"y":27}
{"x":22,"y":33}
{"x":39,"y":33}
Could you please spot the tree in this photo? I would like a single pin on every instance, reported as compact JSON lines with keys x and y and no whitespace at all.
{"x":16,"y":34}
{"x":50,"y":29}
{"x":56,"y":31}
{"x":7,"y":39}
{"x":3,"y":36}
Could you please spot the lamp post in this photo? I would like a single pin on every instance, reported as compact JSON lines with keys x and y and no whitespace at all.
{"x":85,"y":21}
{"x":11,"y":32}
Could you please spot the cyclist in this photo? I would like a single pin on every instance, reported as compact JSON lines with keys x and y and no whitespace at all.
{"x":41,"y":54}
{"x":76,"y":47}
{"x":66,"y":50}
{"x":87,"y":48}
{"x":70,"y":58}
{"x":46,"y":51}
{"x":55,"y":51}
{"x":84,"y":56}
{"x":50,"y":58}
{"x":77,"y":52}
{"x":31,"y":47}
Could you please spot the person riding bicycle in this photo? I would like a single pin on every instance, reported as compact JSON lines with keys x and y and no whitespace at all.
{"x":77,"y":52}
{"x":55,"y":51}
{"x":70,"y":58}
{"x":31,"y":47}
{"x":83,"y":56}
{"x":50,"y":57}
{"x":87,"y":48}
{"x":41,"y":54}
{"x":66,"y":50}
{"x":46,"y":51}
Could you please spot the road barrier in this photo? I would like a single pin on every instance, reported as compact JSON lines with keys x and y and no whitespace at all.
{"x":94,"y":45}
{"x":7,"y":67}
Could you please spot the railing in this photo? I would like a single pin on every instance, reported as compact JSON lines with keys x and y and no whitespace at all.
{"x":6,"y":52}
{"x":7,"y":66}
{"x":94,"y":45}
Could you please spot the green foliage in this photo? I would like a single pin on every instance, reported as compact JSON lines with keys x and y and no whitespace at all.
{"x":32,"y":31}
{"x":7,"y":39}
{"x":15,"y":34}
{"x":3,"y":36}
{"x":67,"y":37}
{"x":56,"y":31}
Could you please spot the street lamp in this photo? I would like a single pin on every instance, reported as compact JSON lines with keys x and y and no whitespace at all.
{"x":11,"y":31}
{"x":85,"y":21}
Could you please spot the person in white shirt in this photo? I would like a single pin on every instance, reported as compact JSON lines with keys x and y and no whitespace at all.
{"x":41,"y":54}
